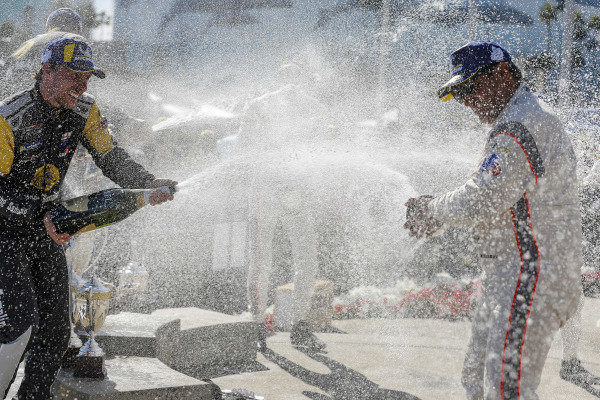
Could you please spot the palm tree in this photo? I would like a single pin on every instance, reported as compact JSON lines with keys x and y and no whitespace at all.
{"x":580,"y":31}
{"x":543,"y":63}
{"x":547,"y":15}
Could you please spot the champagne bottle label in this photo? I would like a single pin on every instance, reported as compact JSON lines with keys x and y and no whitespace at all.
{"x":86,"y":213}
{"x":143,"y":198}
{"x":78,"y":204}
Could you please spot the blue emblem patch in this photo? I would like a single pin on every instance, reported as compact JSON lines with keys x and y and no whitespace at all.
{"x":491,"y":165}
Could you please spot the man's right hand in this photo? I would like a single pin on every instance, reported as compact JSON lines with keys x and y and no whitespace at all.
{"x":59,"y":238}
{"x":159,"y":196}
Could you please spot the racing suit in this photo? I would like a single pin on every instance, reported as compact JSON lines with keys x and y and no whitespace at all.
{"x":37,"y":142}
{"x":523,"y":210}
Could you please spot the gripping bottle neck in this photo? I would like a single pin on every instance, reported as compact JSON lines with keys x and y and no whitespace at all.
{"x":145,"y":198}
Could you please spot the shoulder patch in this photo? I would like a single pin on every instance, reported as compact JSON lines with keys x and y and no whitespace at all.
{"x":13,"y":108}
{"x":491,"y":165}
{"x":104,"y":123}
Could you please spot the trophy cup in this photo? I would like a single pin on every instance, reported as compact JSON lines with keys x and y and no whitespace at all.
{"x":92,"y":305}
{"x":75,"y":282}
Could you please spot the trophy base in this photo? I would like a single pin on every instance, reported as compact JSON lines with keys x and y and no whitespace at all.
{"x":90,"y":367}
{"x":70,"y":357}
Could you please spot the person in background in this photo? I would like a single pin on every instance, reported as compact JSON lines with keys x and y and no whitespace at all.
{"x":40,"y":129}
{"x":274,"y":126}
{"x":523,"y":210}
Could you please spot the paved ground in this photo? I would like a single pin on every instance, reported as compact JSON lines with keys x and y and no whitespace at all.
{"x":380,"y":359}
{"x":405,"y":359}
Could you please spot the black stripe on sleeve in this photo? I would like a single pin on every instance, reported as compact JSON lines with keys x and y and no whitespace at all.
{"x":518,"y":131}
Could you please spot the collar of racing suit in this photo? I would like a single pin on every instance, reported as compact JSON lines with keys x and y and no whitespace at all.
{"x":521,"y":90}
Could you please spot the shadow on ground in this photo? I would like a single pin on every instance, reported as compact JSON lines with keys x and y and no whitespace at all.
{"x":588,"y":383}
{"x":341,"y":383}
{"x":590,"y":389}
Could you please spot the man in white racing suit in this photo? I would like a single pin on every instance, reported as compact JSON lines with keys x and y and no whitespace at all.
{"x":523,"y":209}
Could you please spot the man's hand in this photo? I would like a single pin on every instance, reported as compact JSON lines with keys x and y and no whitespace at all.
{"x":418,"y":221}
{"x":159,"y":196}
{"x":59,"y":238}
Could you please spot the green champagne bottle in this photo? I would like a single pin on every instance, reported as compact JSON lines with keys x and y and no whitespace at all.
{"x":89,"y":212}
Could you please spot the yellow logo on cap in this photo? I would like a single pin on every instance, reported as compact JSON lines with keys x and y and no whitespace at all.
{"x":69,"y":49}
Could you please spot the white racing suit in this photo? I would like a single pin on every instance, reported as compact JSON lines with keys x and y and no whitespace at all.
{"x":523,"y":209}
{"x":276,"y":127}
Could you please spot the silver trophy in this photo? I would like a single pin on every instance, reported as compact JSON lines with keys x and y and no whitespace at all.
{"x":75,"y":282}
{"x":92,"y":300}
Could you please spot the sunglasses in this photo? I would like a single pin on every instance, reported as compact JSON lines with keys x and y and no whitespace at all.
{"x":468,"y":87}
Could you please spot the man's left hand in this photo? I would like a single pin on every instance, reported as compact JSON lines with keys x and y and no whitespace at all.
{"x":418,"y":221}
{"x":160,"y":196}
{"x":59,"y":238}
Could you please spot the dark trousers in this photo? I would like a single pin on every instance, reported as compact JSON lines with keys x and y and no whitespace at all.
{"x":35,"y":293}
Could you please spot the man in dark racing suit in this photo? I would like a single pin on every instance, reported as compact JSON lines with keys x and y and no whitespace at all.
{"x":40,"y":129}
{"x":24,"y":62}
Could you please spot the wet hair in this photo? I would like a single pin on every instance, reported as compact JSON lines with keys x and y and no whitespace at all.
{"x":512,"y":68}
{"x":515,"y":71}
{"x":39,"y":73}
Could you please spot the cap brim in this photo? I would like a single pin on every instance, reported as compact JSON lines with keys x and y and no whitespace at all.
{"x":445,"y":92}
{"x":99,"y":73}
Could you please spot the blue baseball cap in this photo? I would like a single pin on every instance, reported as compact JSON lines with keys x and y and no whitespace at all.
{"x":469,"y":59}
{"x":73,"y":53}
{"x":64,"y":19}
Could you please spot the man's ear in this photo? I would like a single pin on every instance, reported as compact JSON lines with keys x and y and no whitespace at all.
{"x":503,"y":68}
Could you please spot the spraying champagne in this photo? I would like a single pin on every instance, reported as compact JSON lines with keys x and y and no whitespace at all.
{"x":89,"y":212}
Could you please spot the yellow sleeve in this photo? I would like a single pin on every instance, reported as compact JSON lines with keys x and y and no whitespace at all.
{"x":96,"y":131}
{"x":7,"y":147}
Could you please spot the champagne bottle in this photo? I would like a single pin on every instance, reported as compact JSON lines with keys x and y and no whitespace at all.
{"x":89,"y":212}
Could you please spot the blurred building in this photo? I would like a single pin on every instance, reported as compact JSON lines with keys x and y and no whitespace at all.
{"x":248,"y":37}
{"x":213,"y":36}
